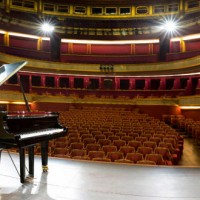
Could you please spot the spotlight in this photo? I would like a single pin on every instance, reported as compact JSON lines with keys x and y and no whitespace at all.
{"x":170,"y":26}
{"x":47,"y":28}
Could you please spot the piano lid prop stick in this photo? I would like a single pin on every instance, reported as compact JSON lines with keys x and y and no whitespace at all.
{"x":24,"y":96}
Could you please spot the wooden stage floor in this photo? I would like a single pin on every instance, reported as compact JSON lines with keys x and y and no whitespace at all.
{"x":81,"y":180}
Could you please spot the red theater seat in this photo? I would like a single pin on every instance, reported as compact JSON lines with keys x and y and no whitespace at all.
{"x":134,"y":157}
{"x":115,"y":155}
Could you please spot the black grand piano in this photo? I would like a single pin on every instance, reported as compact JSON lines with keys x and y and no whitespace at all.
{"x":23,"y":130}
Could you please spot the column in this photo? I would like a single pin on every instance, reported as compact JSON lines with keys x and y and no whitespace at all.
{"x":150,"y":10}
{"x":6,"y":40}
{"x":182,"y":45}
{"x":71,"y":82}
{"x":177,"y":84}
{"x":100,"y":83}
{"x":162,"y":84}
{"x":43,"y":81}
{"x":117,"y":84}
{"x":18,"y":79}
{"x":71,"y":9}
{"x":130,"y":84}
{"x":88,"y":48}
{"x":7,"y":5}
{"x":147,"y":84}
{"x":86,"y":82}
{"x":198,"y":87}
{"x":150,"y":49}
{"x":188,"y":89}
{"x":55,"y":42}
{"x":39,"y":44}
{"x":70,"y":48}
{"x":56,"y":82}
{"x":164,"y":44}
{"x":182,"y":6}
{"x":30,"y":83}
{"x":133,"y":84}
{"x":132,"y":49}
{"x":39,"y":7}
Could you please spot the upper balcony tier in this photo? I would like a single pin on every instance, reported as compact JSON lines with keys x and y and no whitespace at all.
{"x":100,"y":19}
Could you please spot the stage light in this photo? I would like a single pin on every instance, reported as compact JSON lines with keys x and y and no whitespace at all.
{"x":47,"y":28}
{"x":169,"y":26}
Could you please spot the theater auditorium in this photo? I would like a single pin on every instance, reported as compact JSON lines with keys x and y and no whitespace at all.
{"x":107,"y":103}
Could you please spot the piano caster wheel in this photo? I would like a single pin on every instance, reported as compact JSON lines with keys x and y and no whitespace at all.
{"x":45,"y":168}
{"x":29,"y":179}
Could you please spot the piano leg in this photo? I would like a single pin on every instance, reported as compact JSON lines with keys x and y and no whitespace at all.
{"x":44,"y":152}
{"x":31,"y":161}
{"x":22,"y":164}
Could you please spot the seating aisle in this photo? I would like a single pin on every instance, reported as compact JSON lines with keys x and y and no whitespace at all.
{"x":191,"y":153}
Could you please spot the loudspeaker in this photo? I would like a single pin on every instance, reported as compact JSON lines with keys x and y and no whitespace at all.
{"x":108,"y":84}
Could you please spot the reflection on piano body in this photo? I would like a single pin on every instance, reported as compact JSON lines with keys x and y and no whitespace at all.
{"x":21,"y":130}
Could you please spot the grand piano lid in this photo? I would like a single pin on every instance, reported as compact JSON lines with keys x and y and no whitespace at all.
{"x":7,"y":70}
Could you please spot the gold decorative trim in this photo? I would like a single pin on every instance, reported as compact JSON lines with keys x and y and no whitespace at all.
{"x":38,"y":7}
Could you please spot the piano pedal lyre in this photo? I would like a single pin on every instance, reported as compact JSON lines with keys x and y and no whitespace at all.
{"x":45,"y":168}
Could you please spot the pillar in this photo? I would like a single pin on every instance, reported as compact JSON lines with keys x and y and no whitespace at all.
{"x":147,"y":84}
{"x":39,"y":44}
{"x":30,"y":83}
{"x":130,"y":84}
{"x":7,"y":5}
{"x":162,"y":84}
{"x":56,"y":84}
{"x":71,"y":82}
{"x":164,"y":44}
{"x":39,"y":7}
{"x":55,"y":42}
{"x":43,"y":81}
{"x":182,"y":45}
{"x":177,"y":84}
{"x":6,"y":40}
{"x":188,"y":89}
{"x":86,"y":82}
{"x":133,"y":84}
{"x":198,"y":87}
{"x":117,"y":84}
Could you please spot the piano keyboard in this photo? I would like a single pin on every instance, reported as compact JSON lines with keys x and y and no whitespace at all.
{"x":38,"y":133}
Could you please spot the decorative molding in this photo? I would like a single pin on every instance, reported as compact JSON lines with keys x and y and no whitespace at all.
{"x":176,"y":68}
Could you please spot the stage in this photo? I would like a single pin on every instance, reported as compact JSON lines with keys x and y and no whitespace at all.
{"x":82,"y":180}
